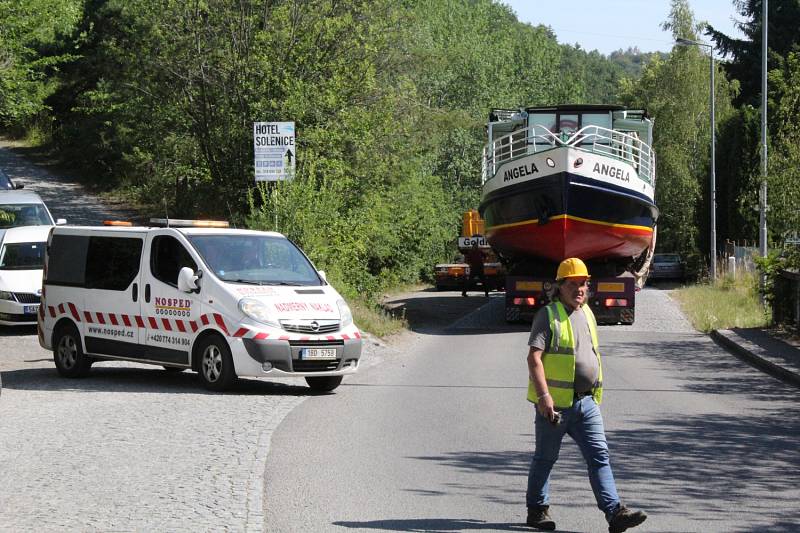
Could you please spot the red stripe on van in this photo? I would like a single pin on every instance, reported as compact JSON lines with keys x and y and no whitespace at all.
{"x":74,"y":312}
{"x":153,"y":323}
{"x":284,"y":338}
{"x":261,"y":336}
{"x":113,"y":318}
{"x":52,"y":311}
{"x":194,"y":325}
{"x":357,"y":335}
{"x":126,"y":320}
{"x":345,"y":337}
{"x":61,"y":308}
{"x":221,"y":323}
{"x":88,"y":316}
{"x":204,"y":320}
{"x":180,"y":325}
{"x":304,"y":338}
{"x":241,"y":332}
{"x":139,"y":321}
{"x":165,"y":321}
{"x":100,"y":318}
{"x":331,"y":338}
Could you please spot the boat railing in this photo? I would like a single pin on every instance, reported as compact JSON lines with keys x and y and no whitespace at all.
{"x":624,"y":146}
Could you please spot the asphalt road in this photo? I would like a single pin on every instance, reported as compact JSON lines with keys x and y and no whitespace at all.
{"x":439,"y":437}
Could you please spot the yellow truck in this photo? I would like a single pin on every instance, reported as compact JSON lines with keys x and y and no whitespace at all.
{"x":452,"y":275}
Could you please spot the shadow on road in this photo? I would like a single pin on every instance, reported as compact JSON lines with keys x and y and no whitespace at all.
{"x":433,"y":524}
{"x":17,"y":331}
{"x":430,"y":311}
{"x":140,"y":380}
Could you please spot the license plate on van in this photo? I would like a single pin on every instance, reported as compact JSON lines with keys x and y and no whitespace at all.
{"x":318,"y":353}
{"x":30,"y":309}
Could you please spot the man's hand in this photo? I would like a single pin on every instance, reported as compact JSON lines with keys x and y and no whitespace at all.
{"x":546,"y":408}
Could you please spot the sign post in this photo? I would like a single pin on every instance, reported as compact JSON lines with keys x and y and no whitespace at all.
{"x":275,"y":155}
{"x":275,"y":151}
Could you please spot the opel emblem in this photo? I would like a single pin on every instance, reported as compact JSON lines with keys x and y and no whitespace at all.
{"x":315,"y":326}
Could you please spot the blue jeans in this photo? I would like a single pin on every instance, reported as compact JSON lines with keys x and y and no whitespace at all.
{"x":584,"y":424}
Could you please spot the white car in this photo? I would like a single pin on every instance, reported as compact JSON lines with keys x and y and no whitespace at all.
{"x":22,"y":253}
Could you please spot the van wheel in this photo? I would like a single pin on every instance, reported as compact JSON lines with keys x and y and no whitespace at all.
{"x":324,"y":383}
{"x":216,"y":363}
{"x":68,"y":355}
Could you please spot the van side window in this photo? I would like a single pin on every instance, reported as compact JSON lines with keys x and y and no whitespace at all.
{"x":66,"y":263}
{"x":167,"y":258}
{"x":112,"y":263}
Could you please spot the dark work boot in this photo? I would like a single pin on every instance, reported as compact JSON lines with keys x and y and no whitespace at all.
{"x":539,"y":517}
{"x":624,"y":518}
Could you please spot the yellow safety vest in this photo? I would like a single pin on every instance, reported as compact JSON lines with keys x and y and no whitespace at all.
{"x":559,"y":358}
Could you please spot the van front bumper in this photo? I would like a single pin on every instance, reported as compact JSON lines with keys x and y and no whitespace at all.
{"x":281,"y":357}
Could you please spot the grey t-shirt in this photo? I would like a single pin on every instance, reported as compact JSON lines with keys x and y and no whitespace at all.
{"x":586,"y":366}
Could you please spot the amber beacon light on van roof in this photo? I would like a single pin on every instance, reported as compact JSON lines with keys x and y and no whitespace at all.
{"x":173,"y":223}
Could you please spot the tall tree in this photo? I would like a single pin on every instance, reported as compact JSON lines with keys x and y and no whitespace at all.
{"x":676,"y":93}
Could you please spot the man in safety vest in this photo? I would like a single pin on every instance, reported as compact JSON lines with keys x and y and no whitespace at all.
{"x":566,"y":384}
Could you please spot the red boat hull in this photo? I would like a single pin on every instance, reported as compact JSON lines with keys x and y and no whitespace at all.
{"x":568,"y":236}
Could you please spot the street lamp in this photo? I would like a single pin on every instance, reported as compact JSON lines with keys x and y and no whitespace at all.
{"x":713,"y":251}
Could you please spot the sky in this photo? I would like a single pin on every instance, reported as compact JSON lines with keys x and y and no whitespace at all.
{"x":608,"y":25}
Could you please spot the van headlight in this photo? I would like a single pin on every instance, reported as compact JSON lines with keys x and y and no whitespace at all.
{"x":256,"y":310}
{"x":5,"y":295}
{"x":345,"y":313}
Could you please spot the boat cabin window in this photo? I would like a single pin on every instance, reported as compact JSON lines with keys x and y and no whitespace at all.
{"x":546,"y":121}
{"x":601,"y":120}
{"x":568,"y":124}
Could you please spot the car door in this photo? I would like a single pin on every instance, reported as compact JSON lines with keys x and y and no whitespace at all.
{"x":111,"y":305}
{"x":172,"y":316}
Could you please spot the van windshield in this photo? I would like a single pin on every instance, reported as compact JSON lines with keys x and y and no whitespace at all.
{"x":255,"y":259}
{"x":22,"y":256}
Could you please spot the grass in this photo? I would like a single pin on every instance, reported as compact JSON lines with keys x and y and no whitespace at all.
{"x":375,"y":319}
{"x":728,"y":303}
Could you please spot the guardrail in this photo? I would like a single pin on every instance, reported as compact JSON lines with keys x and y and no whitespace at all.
{"x":594,"y":139}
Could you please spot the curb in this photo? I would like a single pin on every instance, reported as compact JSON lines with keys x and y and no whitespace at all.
{"x":776,"y":371}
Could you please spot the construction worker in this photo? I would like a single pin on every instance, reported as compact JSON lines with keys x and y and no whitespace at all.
{"x":474,"y":258}
{"x":566,"y":384}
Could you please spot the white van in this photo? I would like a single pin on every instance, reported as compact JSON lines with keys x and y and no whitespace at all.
{"x":222,"y":302}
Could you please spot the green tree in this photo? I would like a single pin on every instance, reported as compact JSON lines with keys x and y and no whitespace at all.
{"x":27,"y":31}
{"x":675,"y":92}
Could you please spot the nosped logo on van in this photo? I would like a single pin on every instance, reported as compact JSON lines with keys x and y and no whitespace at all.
{"x":173,"y":306}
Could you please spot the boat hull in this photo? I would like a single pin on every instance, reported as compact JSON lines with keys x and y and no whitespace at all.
{"x":565,"y":214}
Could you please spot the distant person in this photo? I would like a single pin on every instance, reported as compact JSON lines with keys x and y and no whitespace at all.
{"x":566,"y":384}
{"x":474,"y":258}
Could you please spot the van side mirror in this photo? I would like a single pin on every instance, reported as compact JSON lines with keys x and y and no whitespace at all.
{"x":19,"y":185}
{"x":187,"y":280}
{"x":322,"y":275}
{"x":61,"y":222}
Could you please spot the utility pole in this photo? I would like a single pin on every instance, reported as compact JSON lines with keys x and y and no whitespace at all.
{"x":762,"y":197}
{"x":712,"y":267}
